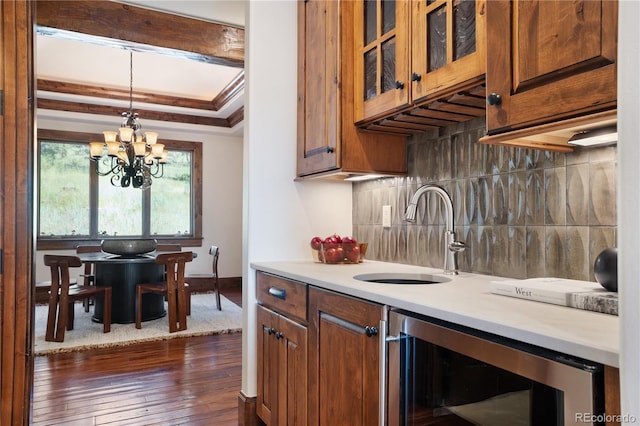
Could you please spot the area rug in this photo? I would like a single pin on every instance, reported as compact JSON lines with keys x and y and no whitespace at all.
{"x":205,"y":319}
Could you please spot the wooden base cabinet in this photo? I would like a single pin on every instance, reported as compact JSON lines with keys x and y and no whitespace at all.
{"x":282,"y":352}
{"x":282,"y":370}
{"x":343,"y":359}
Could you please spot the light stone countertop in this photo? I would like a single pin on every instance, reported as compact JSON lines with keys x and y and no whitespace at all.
{"x":466,"y":300}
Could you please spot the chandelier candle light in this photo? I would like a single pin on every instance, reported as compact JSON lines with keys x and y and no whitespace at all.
{"x":136,"y":157}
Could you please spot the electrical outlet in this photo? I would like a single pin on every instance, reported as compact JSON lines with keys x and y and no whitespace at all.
{"x":386,"y":216}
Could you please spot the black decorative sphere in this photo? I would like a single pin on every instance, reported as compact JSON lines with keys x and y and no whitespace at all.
{"x":605,"y":268}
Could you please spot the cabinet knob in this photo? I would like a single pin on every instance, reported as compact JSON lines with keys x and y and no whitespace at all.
{"x":330,"y":149}
{"x":279,"y":335}
{"x":415,"y":77}
{"x":271,"y":331}
{"x":494,"y":99}
{"x":370,"y":331}
{"x":399,"y":84}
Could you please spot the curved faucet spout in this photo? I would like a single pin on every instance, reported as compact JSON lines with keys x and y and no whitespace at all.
{"x":451,"y":246}
{"x":410,"y":213}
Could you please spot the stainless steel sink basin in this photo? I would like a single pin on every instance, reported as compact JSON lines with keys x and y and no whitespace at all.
{"x":394,"y":278}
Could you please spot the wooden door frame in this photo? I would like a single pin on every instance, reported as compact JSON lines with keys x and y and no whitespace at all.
{"x":16,"y":211}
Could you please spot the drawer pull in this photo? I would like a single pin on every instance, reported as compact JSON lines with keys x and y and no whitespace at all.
{"x":280,"y":293}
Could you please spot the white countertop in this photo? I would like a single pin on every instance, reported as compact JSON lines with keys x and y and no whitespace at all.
{"x":466,"y":300}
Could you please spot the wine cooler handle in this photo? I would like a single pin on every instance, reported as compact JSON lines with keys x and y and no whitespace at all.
{"x":382,"y":403}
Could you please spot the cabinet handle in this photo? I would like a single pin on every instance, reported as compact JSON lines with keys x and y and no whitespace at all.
{"x":399,"y":85}
{"x":382,"y":391}
{"x":279,"y":335}
{"x":415,"y":77}
{"x":370,"y":331}
{"x":280,"y":293}
{"x":330,"y":149}
{"x":271,"y":331}
{"x":494,"y":99}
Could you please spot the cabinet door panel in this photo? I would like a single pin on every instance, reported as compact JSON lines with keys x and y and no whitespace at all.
{"x":547,"y":49}
{"x":341,"y":371}
{"x":381,"y":57}
{"x":549,"y":61}
{"x":343,"y":360}
{"x":267,"y":366}
{"x":293,"y":369}
{"x":447,"y":46}
{"x":318,"y":86}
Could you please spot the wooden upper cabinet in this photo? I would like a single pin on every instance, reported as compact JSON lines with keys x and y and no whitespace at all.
{"x":329,"y":143}
{"x":318,"y":86}
{"x":549,"y":61}
{"x":382,"y":57}
{"x":409,"y":53}
{"x":447,"y":46}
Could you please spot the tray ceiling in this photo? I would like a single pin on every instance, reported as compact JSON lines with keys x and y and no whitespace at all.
{"x":89,"y":74}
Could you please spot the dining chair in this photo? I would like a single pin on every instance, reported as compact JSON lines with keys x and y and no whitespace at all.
{"x":88,"y":277}
{"x":63,"y":295}
{"x":173,"y":288}
{"x":207,"y":280}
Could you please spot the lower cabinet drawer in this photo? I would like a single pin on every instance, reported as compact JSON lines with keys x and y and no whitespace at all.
{"x":284,"y":296}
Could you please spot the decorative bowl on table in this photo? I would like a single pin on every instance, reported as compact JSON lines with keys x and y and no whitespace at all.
{"x":129,"y":247}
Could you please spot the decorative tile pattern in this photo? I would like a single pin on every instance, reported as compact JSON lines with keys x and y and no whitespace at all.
{"x":521,"y":212}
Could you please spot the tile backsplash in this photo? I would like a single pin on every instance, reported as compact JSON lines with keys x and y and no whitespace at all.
{"x":521,"y":212}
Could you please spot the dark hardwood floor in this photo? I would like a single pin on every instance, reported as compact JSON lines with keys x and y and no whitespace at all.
{"x":183,"y":381}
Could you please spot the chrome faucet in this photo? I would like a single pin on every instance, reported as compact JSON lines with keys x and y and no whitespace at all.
{"x":451,"y":246}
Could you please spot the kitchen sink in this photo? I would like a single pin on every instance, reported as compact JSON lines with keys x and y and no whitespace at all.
{"x":394,"y":278}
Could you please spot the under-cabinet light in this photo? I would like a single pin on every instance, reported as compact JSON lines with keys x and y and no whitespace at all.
{"x":357,"y":178}
{"x":601,"y":136}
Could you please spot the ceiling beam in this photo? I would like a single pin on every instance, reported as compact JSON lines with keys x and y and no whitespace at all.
{"x":140,"y":28}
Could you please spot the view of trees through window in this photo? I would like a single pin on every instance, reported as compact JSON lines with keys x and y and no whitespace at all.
{"x":67,"y":210}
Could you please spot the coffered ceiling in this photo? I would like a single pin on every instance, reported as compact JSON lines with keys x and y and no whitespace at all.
{"x":187,"y":62}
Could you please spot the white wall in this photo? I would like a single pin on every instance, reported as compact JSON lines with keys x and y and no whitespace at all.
{"x":221,"y":188}
{"x":629,"y":207}
{"x":280,"y":216}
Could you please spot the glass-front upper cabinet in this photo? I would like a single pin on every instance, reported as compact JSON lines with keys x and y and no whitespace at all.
{"x":447,"y":46}
{"x":381,"y":30}
{"x":408,"y":52}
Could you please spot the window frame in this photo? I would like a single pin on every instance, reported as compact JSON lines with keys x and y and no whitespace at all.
{"x":57,"y":243}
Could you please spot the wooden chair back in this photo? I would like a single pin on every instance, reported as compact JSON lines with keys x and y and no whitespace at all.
{"x":215,"y":252}
{"x":63,"y":295}
{"x":173,"y":288}
{"x":168,"y":247}
{"x":207,"y":281}
{"x":88,"y":277}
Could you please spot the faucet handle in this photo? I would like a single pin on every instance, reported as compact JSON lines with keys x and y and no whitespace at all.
{"x":457,"y":246}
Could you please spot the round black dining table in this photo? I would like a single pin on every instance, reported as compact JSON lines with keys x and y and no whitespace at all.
{"x":122,"y":273}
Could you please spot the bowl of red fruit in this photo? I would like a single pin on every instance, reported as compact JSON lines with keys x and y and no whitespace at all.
{"x":337,"y":250}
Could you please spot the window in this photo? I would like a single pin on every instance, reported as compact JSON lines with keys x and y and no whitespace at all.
{"x":75,"y":205}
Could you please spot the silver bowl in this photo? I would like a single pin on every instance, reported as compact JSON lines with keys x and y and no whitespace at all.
{"x":128,"y":247}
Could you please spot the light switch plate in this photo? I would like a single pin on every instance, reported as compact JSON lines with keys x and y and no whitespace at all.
{"x":386,"y":216}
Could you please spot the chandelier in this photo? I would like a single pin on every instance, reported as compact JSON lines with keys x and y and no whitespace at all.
{"x":133,"y":157}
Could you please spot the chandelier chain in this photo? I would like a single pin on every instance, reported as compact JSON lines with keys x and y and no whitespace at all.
{"x":131,"y":81}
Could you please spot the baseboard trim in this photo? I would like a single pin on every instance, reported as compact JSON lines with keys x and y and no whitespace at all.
{"x":247,"y":411}
{"x":230,"y":283}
